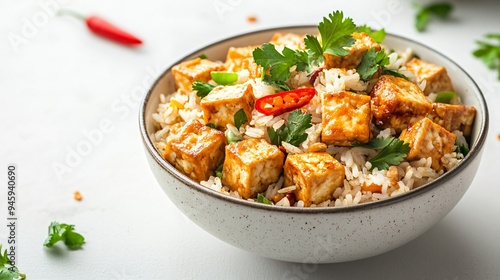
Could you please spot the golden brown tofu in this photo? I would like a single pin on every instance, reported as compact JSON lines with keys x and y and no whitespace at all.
{"x":357,"y":50}
{"x":346,"y":118}
{"x":315,"y":175}
{"x":289,"y":40}
{"x":196,"y":150}
{"x":251,"y":166}
{"x":453,"y":117}
{"x":428,"y":139}
{"x":238,"y":59}
{"x":220,"y":105}
{"x":437,"y":79}
{"x":186,"y":73}
{"x":397,"y":103}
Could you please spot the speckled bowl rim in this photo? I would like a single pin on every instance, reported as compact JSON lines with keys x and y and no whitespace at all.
{"x":473,"y":153}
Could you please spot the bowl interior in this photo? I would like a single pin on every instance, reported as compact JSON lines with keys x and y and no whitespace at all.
{"x":462,"y":82}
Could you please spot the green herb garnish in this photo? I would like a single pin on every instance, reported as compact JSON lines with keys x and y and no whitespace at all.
{"x":393,"y":151}
{"x":394,"y":73}
{"x":64,"y":232}
{"x":461,"y":148}
{"x":445,"y":97}
{"x":263,"y":199}
{"x":370,"y":63}
{"x":202,"y":89}
{"x":203,"y":56}
{"x":224,"y":78}
{"x":489,"y":53}
{"x":240,"y":118}
{"x":440,"y":10}
{"x":7,"y":270}
{"x":218,"y":171}
{"x":294,"y":131}
{"x":377,"y":35}
{"x":211,"y":125}
{"x":335,"y":36}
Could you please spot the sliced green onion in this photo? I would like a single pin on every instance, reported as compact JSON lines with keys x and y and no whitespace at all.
{"x":231,"y":137}
{"x":218,"y":171}
{"x":224,"y":78}
{"x":445,"y":97}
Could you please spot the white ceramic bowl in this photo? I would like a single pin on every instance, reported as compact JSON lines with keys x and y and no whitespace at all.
{"x":317,"y":235}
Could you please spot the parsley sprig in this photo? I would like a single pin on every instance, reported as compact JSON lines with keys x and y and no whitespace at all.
{"x":294,"y":131}
{"x":202,"y":88}
{"x":424,"y":13}
{"x":370,"y":63}
{"x":489,"y":53}
{"x":64,"y":232}
{"x":393,"y":151}
{"x":7,"y":270}
{"x":335,"y":37}
{"x":377,"y":35}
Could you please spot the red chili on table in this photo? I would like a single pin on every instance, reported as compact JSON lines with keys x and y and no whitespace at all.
{"x":106,"y":29}
{"x":286,"y":101}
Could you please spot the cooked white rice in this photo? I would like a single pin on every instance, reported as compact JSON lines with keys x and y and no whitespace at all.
{"x":178,"y":108}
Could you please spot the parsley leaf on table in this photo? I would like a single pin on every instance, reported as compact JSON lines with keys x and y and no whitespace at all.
{"x":440,"y":10}
{"x":7,"y":270}
{"x":202,"y":89}
{"x":294,"y":131}
{"x":393,"y":151}
{"x":377,"y":35}
{"x":64,"y":232}
{"x":489,"y":53}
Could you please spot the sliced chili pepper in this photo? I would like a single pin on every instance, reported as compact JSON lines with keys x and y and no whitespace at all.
{"x":106,"y":29}
{"x":286,"y":101}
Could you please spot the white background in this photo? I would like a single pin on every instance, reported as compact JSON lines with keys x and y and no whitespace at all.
{"x":60,"y":82}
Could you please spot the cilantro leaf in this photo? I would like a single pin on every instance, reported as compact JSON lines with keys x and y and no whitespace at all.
{"x":294,"y":131}
{"x":64,"y":232}
{"x":211,"y":125}
{"x":370,"y":63}
{"x":489,"y":53}
{"x":377,"y":35}
{"x":336,"y":33}
{"x":276,"y":66}
{"x":314,"y":50}
{"x":202,"y":89}
{"x":376,"y":143}
{"x":240,"y":118}
{"x":462,"y":148}
{"x":7,"y":270}
{"x":392,"y":154}
{"x":440,"y":10}
{"x":394,"y":73}
{"x":263,"y":199}
{"x":203,"y":56}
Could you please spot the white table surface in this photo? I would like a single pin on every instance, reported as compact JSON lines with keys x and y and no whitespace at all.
{"x":61,"y":82}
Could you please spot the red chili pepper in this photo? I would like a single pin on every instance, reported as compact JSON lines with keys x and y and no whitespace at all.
{"x":106,"y":29}
{"x":286,"y":101}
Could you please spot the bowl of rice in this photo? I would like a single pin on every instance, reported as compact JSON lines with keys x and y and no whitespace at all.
{"x":320,"y":196}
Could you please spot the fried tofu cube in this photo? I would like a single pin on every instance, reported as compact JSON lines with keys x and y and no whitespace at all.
{"x":289,"y":40}
{"x":428,"y":139}
{"x":453,"y":117}
{"x":186,"y":73}
{"x":251,"y":166}
{"x":346,"y":118}
{"x":397,"y":103}
{"x":357,"y":50}
{"x":315,"y":175}
{"x":238,"y":59}
{"x":220,"y":105}
{"x":196,"y":150}
{"x":437,"y":79}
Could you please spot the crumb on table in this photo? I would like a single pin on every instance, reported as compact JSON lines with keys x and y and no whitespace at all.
{"x":252,"y":19}
{"x":77,"y":195}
